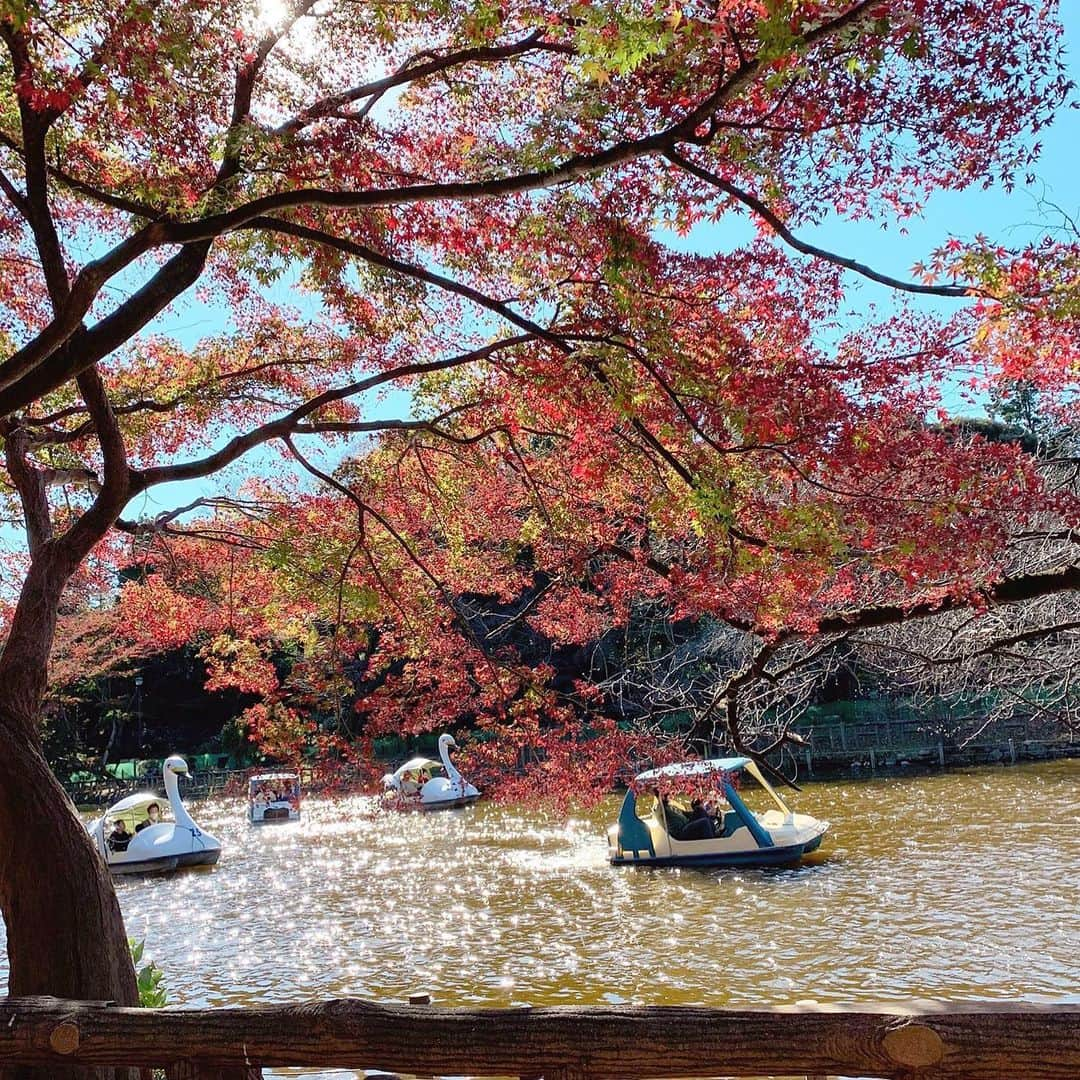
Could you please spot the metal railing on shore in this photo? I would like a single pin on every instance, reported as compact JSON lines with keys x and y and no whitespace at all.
{"x":922,"y":1041}
{"x":886,"y":742}
{"x":106,"y":791}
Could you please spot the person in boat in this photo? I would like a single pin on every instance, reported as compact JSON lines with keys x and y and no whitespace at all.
{"x":697,"y":825}
{"x":153,"y":816}
{"x":119,"y":838}
{"x":701,"y":825}
{"x":675,"y":820}
{"x":718,"y":812}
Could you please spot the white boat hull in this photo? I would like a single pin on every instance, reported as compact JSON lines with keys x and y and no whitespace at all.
{"x":735,"y":850}
{"x":165,"y":864}
{"x":414,"y":804}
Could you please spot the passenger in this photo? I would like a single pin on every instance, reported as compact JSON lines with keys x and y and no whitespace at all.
{"x":119,"y":838}
{"x":676,"y":821}
{"x":153,"y":817}
{"x":701,"y":825}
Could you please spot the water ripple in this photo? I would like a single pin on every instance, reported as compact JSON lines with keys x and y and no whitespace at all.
{"x":952,"y":886}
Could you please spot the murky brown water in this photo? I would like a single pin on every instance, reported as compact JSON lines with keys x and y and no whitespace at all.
{"x":959,"y":885}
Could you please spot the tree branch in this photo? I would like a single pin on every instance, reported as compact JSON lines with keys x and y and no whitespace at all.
{"x":410,"y":72}
{"x":276,"y":429}
{"x":778,"y":226}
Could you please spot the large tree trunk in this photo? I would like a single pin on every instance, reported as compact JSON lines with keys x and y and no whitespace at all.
{"x":65,"y":933}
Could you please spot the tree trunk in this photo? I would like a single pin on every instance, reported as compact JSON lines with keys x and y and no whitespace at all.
{"x":65,"y":933}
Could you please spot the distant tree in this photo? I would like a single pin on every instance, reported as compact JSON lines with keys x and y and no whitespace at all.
{"x":1016,"y":402}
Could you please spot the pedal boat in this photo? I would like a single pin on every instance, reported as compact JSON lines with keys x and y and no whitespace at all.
{"x":160,"y":847}
{"x":423,"y":784}
{"x":274,"y":798}
{"x":745,"y":838}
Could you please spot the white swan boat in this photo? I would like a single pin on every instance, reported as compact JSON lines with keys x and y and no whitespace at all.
{"x":274,"y":798}
{"x":666,"y":834}
{"x":423,"y":784}
{"x":133,"y":838}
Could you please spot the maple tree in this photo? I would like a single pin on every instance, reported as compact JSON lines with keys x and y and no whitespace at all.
{"x":468,"y":201}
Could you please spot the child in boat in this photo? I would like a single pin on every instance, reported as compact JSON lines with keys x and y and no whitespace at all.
{"x":119,"y":838}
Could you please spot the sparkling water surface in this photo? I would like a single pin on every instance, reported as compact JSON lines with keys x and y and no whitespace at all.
{"x":956,"y":886}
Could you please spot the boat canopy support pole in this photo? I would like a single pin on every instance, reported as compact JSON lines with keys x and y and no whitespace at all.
{"x":634,"y":834}
{"x":756,"y":831}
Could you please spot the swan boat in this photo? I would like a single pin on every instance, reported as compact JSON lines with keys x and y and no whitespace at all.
{"x":423,"y":784}
{"x":736,"y":836}
{"x":273,"y":798}
{"x":153,"y":845}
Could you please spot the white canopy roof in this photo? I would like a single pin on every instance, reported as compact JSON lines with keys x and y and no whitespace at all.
{"x":141,"y":800}
{"x":695,"y":768}
{"x":415,"y":765}
{"x":262,"y":777}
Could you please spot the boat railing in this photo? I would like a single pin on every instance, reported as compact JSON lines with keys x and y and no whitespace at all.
{"x":920,"y":1041}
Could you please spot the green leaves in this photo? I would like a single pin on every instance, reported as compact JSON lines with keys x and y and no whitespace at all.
{"x":613,"y":43}
{"x":19,"y":12}
{"x":150,"y":978}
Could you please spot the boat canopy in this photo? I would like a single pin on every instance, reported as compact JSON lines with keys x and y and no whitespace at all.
{"x":684,"y":769}
{"x":141,"y":800}
{"x":695,"y":768}
{"x":416,"y":764}
{"x":265,"y":777}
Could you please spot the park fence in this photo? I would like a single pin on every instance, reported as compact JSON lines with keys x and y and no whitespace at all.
{"x":924,"y":1041}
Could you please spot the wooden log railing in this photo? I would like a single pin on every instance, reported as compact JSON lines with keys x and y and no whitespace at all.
{"x":924,"y":1041}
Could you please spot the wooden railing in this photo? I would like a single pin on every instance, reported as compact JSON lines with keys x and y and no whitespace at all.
{"x":925,"y":1041}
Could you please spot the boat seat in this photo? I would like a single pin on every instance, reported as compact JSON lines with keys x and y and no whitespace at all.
{"x":732,"y":822}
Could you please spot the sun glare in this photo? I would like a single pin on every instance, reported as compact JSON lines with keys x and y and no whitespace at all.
{"x":272,"y":12}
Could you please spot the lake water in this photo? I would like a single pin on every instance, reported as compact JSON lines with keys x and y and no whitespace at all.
{"x":951,"y":886}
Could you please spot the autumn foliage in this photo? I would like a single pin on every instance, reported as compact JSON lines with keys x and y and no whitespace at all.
{"x":478,"y":206}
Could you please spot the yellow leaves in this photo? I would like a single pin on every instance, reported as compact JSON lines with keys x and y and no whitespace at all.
{"x":593,"y":71}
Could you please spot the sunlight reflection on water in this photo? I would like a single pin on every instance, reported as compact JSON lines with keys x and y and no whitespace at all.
{"x":954,"y":886}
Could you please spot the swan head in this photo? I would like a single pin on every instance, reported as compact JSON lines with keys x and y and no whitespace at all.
{"x":447,"y":741}
{"x":176,"y":765}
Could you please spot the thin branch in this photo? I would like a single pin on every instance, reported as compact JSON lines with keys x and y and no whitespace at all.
{"x":241,"y":444}
{"x":778,"y":226}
